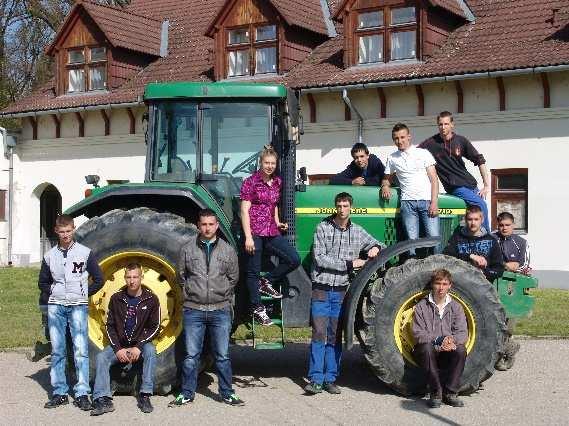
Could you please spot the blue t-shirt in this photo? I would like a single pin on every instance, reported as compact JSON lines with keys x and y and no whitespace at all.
{"x":130,"y":320}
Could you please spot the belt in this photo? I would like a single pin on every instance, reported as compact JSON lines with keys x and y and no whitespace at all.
{"x":207,"y":306}
{"x":324,"y":287}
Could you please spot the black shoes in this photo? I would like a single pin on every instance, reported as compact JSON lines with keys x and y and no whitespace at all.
{"x":267,"y":289}
{"x":102,"y":405}
{"x":143,"y":402}
{"x":434,"y":401}
{"x":331,"y":388}
{"x":56,"y":401}
{"x":260,"y":315}
{"x":313,"y":388}
{"x":83,"y":403}
{"x":453,"y":400}
{"x":234,"y":400}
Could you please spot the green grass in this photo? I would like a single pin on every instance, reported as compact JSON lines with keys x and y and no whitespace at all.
{"x":20,"y":318}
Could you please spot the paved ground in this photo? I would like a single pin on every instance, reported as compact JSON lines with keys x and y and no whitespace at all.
{"x":533,"y":392}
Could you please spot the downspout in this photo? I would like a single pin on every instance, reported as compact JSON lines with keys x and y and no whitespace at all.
{"x":348,"y":102}
{"x":10,"y":201}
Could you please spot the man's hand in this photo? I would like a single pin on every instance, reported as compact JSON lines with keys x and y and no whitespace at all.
{"x":448,"y":344}
{"x":358,"y":263}
{"x":249,"y":245}
{"x":374,"y":251}
{"x":511,"y":266}
{"x":358,"y":181}
{"x":385,"y":192}
{"x":123,"y":356}
{"x":479,"y":261}
{"x":433,"y":209}
{"x":483,"y":193}
{"x":134,"y":354}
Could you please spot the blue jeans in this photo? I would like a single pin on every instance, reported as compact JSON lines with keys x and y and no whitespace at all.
{"x":277,"y":246}
{"x":471,"y":197}
{"x":218,"y":325}
{"x":58,"y":318}
{"x":326,"y":345}
{"x":413,"y":214}
{"x":107,"y":358}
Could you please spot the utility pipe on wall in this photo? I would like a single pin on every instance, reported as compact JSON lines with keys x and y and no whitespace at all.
{"x":348,"y":102}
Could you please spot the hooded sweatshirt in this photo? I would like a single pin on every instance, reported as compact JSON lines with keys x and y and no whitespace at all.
{"x":373,"y":173}
{"x":461,"y":245}
{"x":428,"y":325}
{"x":335,"y":249}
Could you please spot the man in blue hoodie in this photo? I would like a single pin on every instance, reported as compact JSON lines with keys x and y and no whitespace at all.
{"x":366,"y":169}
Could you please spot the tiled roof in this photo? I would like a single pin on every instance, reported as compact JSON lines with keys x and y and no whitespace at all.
{"x":305,"y":14}
{"x":452,"y":6}
{"x":507,"y":34}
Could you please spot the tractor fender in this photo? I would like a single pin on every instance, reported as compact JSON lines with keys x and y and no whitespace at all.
{"x":359,"y":283}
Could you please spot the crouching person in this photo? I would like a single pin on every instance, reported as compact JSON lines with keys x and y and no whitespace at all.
{"x":132,"y":322}
{"x":440,"y":332}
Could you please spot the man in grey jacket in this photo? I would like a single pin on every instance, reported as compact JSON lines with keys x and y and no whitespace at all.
{"x":440,"y":332}
{"x":338,"y":244}
{"x":208,"y":270}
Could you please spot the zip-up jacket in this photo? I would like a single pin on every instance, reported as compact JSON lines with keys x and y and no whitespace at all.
{"x":335,"y":249}
{"x":428,"y":326}
{"x":461,"y":245}
{"x":514,"y":249}
{"x":373,"y":174}
{"x":208,"y":278}
{"x":64,"y":276}
{"x":147,"y":320}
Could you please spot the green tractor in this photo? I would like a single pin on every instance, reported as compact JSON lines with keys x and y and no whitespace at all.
{"x":203,"y":140}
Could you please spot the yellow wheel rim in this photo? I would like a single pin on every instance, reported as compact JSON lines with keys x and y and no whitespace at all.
{"x":159,"y":277}
{"x":404,"y":318}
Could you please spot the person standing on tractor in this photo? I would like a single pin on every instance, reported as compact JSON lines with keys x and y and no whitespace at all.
{"x":366,"y":169}
{"x":260,"y":196}
{"x":64,"y":286}
{"x":415,"y":170}
{"x":209,"y":271}
{"x":440,"y":332}
{"x":338,"y":244}
{"x":133,"y":320}
{"x":448,"y":148}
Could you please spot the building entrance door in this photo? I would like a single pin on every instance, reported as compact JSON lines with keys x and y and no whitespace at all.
{"x":50,"y":208}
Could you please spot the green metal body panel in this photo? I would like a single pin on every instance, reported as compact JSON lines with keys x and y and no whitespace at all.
{"x":188,"y":90}
{"x":513,"y":290}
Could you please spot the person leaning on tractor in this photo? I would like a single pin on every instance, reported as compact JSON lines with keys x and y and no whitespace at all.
{"x":366,"y":169}
{"x":336,"y":252}
{"x":440,"y":332}
{"x":64,"y":286}
{"x":415,"y":170}
{"x":260,"y":195}
{"x":448,"y":148}
{"x":209,"y":270}
{"x":133,"y":320}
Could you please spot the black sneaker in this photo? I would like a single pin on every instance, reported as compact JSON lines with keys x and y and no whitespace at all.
{"x":260,"y":315}
{"x":234,"y":400}
{"x":56,"y":401}
{"x":143,"y":402}
{"x":313,"y":388}
{"x":453,"y":400}
{"x":331,"y":388}
{"x":83,"y":403}
{"x":267,"y":289}
{"x":180,"y":400}
{"x":434,"y":401}
{"x":102,"y":405}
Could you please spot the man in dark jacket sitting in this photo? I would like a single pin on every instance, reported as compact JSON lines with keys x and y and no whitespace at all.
{"x":440,"y":332}
{"x":133,"y":320}
{"x":366,"y":169}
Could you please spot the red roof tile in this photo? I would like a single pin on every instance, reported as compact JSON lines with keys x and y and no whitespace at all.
{"x":452,"y":6}
{"x":305,"y":14}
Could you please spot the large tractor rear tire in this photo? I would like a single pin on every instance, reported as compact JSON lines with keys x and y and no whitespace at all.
{"x":385,"y":334}
{"x":154,"y":240}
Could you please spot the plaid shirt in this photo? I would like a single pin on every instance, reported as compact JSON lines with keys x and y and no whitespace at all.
{"x":335,"y":249}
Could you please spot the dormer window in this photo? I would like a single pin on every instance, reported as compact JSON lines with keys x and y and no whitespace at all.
{"x":86,"y":69}
{"x":386,"y":34}
{"x":252,"y":50}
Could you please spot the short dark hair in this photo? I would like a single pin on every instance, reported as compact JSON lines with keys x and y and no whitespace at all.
{"x":445,"y":114}
{"x":441,"y":274}
{"x":344,"y":196}
{"x":473,"y":208}
{"x":207,"y":213}
{"x":359,"y":146}
{"x":132,"y":266}
{"x":64,"y":220}
{"x":399,"y":126}
{"x":505,"y":215}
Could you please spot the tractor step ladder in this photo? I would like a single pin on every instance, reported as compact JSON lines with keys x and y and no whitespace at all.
{"x":261,"y":340}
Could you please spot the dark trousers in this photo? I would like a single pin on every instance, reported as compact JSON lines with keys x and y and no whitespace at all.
{"x":277,"y":246}
{"x":443,"y":369}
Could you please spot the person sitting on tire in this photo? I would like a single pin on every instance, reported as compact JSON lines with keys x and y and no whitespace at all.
{"x":473,"y":244}
{"x":133,"y":320}
{"x":64,"y":285}
{"x":260,"y":195}
{"x":209,"y":271}
{"x":515,"y":249}
{"x":336,"y":252}
{"x":366,"y":169}
{"x":440,"y":332}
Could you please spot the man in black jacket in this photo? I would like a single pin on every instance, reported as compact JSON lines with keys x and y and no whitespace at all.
{"x":366,"y":169}
{"x":474,"y":245}
{"x":133,"y":320}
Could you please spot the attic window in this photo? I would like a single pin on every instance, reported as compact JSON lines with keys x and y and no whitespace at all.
{"x":251,"y":50}
{"x":86,"y":69}
{"x":386,"y":34}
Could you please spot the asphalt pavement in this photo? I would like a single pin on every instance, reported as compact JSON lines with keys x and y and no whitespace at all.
{"x":534,"y":392}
